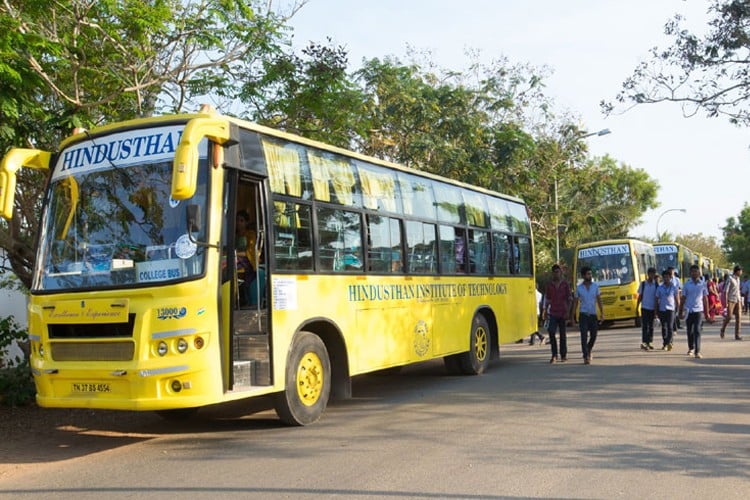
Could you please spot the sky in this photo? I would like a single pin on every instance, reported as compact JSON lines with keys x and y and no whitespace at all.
{"x":591,"y":47}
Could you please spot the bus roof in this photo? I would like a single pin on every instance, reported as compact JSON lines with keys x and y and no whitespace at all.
{"x":184,"y":118}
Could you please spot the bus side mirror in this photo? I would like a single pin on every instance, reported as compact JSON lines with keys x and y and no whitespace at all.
{"x":193,"y":218}
{"x":14,"y":160}
{"x":185,"y":168}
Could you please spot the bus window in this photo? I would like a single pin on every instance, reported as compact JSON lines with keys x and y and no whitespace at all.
{"x":340,"y":240}
{"x":453,"y":250}
{"x":501,"y":255}
{"x":417,"y":196}
{"x":524,"y":256}
{"x":384,"y":250}
{"x":450,"y":204}
{"x":292,"y":248}
{"x":420,"y":240}
{"x":479,"y":252}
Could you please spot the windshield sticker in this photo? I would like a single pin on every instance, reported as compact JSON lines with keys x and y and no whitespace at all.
{"x":159,"y":270}
{"x":184,"y":248}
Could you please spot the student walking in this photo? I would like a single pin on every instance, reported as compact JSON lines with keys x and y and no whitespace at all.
{"x":647,"y":302}
{"x":695,"y":301}
{"x":667,"y":301}
{"x":733,"y":296}
{"x":557,"y":300}
{"x":587,"y":296}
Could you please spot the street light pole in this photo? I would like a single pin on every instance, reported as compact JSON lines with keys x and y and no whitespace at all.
{"x":601,"y":132}
{"x":658,"y":235}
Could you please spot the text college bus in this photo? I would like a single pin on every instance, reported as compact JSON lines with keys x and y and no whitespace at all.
{"x":138,"y":301}
{"x":618,"y":267}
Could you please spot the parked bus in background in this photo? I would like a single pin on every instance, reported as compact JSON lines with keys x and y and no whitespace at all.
{"x":618,"y":267}
{"x":707,"y":266}
{"x":677,"y":255}
{"x":148,"y":295}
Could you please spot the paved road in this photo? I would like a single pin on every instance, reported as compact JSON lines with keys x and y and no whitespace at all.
{"x":633,"y":424}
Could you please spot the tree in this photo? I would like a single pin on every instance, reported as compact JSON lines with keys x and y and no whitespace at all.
{"x":706,"y":245}
{"x":69,"y":63}
{"x":736,"y":232}
{"x":309,"y":95}
{"x":709,"y":73}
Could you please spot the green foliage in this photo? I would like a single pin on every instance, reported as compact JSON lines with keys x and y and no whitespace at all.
{"x":81,"y":63}
{"x":736,"y":243}
{"x":709,"y":72}
{"x":16,"y":384}
{"x":706,"y":245}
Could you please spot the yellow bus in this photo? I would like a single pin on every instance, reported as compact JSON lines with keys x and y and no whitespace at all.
{"x":676,"y":255}
{"x":148,"y":295}
{"x":618,"y":267}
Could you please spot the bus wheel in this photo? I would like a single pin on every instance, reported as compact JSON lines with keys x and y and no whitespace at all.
{"x":477,"y":359}
{"x":308,"y":381}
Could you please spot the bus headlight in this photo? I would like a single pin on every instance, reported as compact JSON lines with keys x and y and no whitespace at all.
{"x":162,"y":348}
{"x":182,"y":346}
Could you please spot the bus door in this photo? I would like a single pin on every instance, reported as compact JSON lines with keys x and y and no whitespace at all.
{"x":249,"y":302}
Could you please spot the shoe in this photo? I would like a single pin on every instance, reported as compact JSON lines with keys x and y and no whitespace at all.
{"x":737,"y":337}
{"x":669,"y":347}
{"x":644,"y":347}
{"x":542,"y":339}
{"x":698,"y":355}
{"x":664,"y":348}
{"x":650,"y":346}
{"x":690,"y":352}
{"x":586,"y":361}
{"x":563,"y":359}
{"x":552,"y":360}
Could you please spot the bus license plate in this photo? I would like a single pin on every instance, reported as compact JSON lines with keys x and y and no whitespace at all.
{"x":89,"y":387}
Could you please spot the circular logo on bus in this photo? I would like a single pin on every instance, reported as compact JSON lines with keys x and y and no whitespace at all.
{"x":184,"y":248}
{"x":421,"y":338}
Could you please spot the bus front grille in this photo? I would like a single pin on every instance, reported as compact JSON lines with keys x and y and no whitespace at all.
{"x":92,"y":351}
{"x":608,"y":301}
{"x":91,"y":330}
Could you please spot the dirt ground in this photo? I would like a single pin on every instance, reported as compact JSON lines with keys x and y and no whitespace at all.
{"x":30,"y":435}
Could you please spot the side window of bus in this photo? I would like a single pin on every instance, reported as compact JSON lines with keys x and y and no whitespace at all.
{"x":501,"y":244}
{"x":292,"y":248}
{"x":453,"y":251}
{"x":339,"y":240}
{"x":479,"y":252}
{"x":421,"y":257}
{"x":384,"y":244}
{"x":524,"y":257}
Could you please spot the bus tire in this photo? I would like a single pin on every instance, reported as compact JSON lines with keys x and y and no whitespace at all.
{"x":308,"y":381}
{"x":476,"y":360}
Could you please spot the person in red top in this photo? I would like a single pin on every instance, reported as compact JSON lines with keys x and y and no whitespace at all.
{"x":557,"y":300}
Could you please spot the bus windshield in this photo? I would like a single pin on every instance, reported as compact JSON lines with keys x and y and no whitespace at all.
{"x":110,"y":221}
{"x":610,"y":264}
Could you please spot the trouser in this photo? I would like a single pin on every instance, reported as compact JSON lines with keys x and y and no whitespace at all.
{"x":554,"y":325}
{"x":588,"y":324}
{"x":733,"y":308}
{"x":647,"y":325}
{"x":694,"y":324}
{"x":667,"y":320}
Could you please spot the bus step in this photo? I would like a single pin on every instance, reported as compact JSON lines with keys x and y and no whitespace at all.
{"x":250,"y":347}
{"x":262,"y":373}
{"x":250,"y":322}
{"x":244,"y":373}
